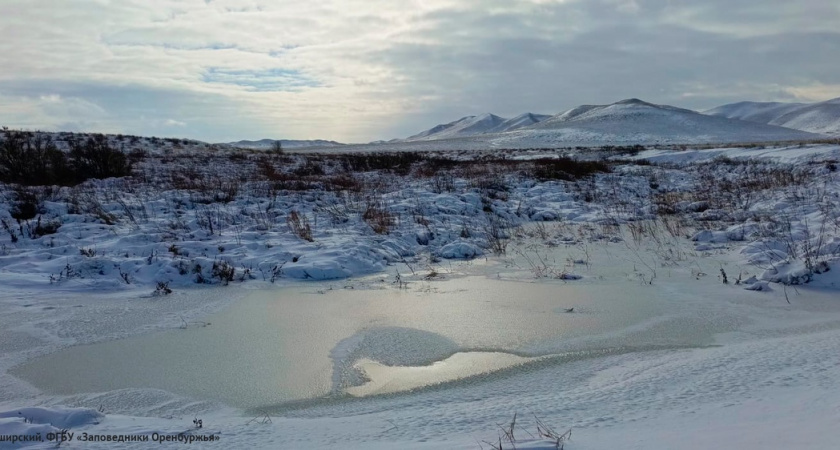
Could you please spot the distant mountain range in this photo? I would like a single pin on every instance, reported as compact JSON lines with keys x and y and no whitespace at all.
{"x":630,"y":121}
{"x":627,"y":121}
{"x":822,"y":117}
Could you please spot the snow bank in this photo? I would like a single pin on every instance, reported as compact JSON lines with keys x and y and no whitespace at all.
{"x":56,"y":417}
{"x":31,"y":422}
{"x":460,"y":250}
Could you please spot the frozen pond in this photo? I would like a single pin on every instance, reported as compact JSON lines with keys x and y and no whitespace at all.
{"x":300,"y":343}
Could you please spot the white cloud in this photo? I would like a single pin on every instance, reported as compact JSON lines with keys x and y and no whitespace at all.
{"x":174,"y":123}
{"x":813,"y":92}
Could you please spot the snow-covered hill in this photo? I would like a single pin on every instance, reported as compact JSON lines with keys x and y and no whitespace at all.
{"x":465,"y":126}
{"x":760,"y":112}
{"x":520,"y":121}
{"x":477,"y":125}
{"x":822,"y":117}
{"x":264,"y":144}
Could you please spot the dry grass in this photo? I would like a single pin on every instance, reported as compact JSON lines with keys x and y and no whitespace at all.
{"x":507,"y":435}
{"x":299,"y":226}
{"x":378,"y":217}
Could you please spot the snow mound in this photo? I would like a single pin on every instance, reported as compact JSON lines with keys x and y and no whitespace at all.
{"x":56,"y":417}
{"x":709,"y":236}
{"x":460,"y":250}
{"x":16,"y":430}
{"x":29,"y":422}
{"x":760,"y":286}
{"x":319,"y":270}
{"x":793,"y":272}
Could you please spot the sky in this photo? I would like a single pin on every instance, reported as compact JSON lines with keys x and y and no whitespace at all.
{"x":363,"y":70}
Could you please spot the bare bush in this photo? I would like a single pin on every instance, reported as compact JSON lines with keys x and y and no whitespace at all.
{"x":223,"y":271}
{"x":162,"y":288}
{"x":299,"y":226}
{"x":378,"y":217}
{"x":567,"y":169}
{"x":26,"y":204}
{"x":95,"y":158}
{"x":32,"y":159}
{"x":507,"y":435}
{"x":496,"y":237}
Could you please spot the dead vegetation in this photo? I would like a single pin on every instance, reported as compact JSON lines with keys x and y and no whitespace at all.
{"x":376,"y":215}
{"x":507,"y":438}
{"x":222,"y":194}
{"x":299,"y":225}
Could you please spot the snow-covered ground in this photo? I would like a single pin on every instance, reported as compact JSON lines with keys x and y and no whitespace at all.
{"x":214,"y":226}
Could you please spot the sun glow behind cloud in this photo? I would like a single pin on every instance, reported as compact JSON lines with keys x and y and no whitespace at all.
{"x":356,"y":70}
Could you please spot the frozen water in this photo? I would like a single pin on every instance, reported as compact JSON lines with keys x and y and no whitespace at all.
{"x":292,"y":344}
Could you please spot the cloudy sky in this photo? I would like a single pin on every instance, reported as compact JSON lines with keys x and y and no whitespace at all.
{"x":360,"y":70}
